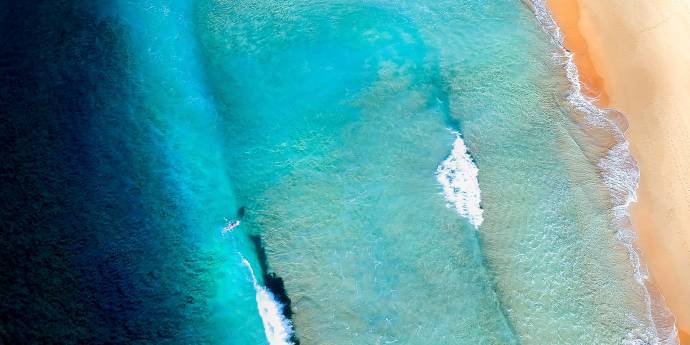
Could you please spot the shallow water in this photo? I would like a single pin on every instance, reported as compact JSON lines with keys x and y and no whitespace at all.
{"x":351,"y":132}
{"x":341,"y":113}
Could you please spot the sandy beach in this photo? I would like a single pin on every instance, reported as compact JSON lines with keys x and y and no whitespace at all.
{"x":633,"y":55}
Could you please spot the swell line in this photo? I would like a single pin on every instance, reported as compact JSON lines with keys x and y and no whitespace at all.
{"x":459,"y":176}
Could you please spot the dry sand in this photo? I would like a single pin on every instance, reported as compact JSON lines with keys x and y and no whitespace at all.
{"x":635,"y":55}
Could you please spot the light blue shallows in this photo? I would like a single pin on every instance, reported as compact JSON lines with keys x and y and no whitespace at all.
{"x":328,"y":121}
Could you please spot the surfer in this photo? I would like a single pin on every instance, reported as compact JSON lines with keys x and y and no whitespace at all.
{"x":231,"y":225}
{"x":234,"y":223}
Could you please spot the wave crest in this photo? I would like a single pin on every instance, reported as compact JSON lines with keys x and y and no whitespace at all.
{"x":458,"y":176}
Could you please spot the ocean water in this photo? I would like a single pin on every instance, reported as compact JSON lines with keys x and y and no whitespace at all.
{"x":411,"y":172}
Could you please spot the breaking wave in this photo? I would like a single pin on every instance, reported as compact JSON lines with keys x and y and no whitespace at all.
{"x":278,"y":329}
{"x":621,"y":174}
{"x":458,"y":176}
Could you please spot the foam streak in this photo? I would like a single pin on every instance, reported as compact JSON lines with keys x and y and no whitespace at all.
{"x":278,"y":329}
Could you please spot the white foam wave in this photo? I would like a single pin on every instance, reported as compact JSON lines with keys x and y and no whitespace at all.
{"x":458,"y":176}
{"x":621,"y":174}
{"x":277,"y":328}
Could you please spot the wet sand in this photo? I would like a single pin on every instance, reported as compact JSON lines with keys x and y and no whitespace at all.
{"x":634,"y":55}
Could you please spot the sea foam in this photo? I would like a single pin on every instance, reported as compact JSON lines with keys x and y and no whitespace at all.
{"x":278,"y":329}
{"x":621,"y":174}
{"x":458,"y":176}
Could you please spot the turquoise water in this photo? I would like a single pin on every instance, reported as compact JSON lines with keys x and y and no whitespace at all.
{"x":328,"y":121}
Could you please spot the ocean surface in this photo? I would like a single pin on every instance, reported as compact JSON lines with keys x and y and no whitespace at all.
{"x":410,"y":172}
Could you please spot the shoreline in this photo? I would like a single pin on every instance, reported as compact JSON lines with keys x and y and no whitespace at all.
{"x":630,"y":60}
